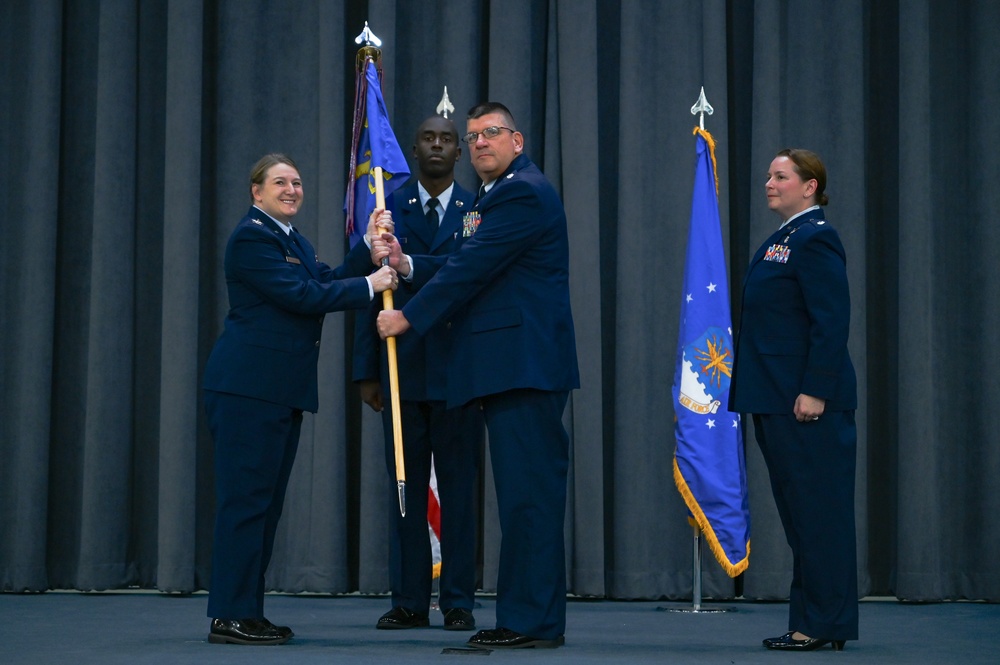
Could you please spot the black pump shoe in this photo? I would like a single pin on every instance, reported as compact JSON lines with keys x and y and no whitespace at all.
{"x":768,"y":641}
{"x":787,"y":643}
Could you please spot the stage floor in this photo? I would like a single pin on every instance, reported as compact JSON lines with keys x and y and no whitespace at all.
{"x":151,"y":628}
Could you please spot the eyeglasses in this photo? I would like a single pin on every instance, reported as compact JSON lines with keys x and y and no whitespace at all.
{"x":488,"y":133}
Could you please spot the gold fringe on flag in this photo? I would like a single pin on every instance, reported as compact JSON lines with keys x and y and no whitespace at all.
{"x":706,"y":527}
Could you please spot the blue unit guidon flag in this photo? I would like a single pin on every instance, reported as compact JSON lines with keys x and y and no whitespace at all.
{"x":374,"y":144}
{"x":709,"y":460}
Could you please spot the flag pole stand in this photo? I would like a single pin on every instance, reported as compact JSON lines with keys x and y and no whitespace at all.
{"x":696,"y":606}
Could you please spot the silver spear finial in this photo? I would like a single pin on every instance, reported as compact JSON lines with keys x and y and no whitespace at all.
{"x":445,"y":107}
{"x":701,"y":107}
{"x":368,"y":38}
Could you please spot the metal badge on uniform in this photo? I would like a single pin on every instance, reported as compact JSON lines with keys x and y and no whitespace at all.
{"x":470,"y":222}
{"x":412,"y":201}
{"x":458,"y":204}
{"x":292,"y":259}
{"x":778,"y":253}
{"x":257,"y":222}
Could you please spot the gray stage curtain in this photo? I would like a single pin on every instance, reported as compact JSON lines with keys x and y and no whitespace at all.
{"x":129,"y":129}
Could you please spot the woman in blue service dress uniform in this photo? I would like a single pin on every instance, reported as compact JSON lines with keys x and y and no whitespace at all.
{"x":794,"y":374}
{"x":260,"y":377}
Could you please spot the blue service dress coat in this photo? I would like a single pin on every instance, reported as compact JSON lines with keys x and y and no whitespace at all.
{"x":793,"y":340}
{"x":454,"y":436}
{"x":279,"y":292}
{"x":505,"y":294}
{"x":260,"y":377}
{"x":795,"y":322}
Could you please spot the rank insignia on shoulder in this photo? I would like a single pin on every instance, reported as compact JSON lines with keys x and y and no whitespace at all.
{"x":778,"y":253}
{"x":470,"y":222}
{"x":257,"y":222}
{"x":820,"y":222}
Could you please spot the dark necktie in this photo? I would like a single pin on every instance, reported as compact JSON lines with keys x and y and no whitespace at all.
{"x":432,"y":215}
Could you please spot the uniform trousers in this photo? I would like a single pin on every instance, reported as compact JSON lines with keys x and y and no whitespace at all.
{"x":812,"y":466}
{"x":255,"y":445}
{"x":455,"y":437}
{"x":529,"y":449}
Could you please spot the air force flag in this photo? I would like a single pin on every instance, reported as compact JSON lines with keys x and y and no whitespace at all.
{"x":709,"y":463}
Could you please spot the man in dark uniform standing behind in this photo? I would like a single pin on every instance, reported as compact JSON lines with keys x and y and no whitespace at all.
{"x":428,"y":220}
{"x":506,"y":292}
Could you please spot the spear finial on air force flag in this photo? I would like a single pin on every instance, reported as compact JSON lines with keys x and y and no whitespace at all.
{"x":701,"y":107}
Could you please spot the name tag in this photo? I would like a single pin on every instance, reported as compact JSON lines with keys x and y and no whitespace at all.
{"x":292,"y":259}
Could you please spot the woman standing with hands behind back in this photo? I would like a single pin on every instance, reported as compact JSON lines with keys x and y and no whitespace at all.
{"x":792,"y":371}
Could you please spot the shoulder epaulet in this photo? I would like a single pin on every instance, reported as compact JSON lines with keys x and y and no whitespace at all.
{"x":255,"y":222}
{"x":815,"y":222}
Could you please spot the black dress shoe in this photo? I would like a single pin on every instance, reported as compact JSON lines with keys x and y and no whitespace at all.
{"x":399,"y":618}
{"x":788,"y":643}
{"x":245,"y":631}
{"x":459,"y":618}
{"x":504,"y":638}
{"x":284,"y":630}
